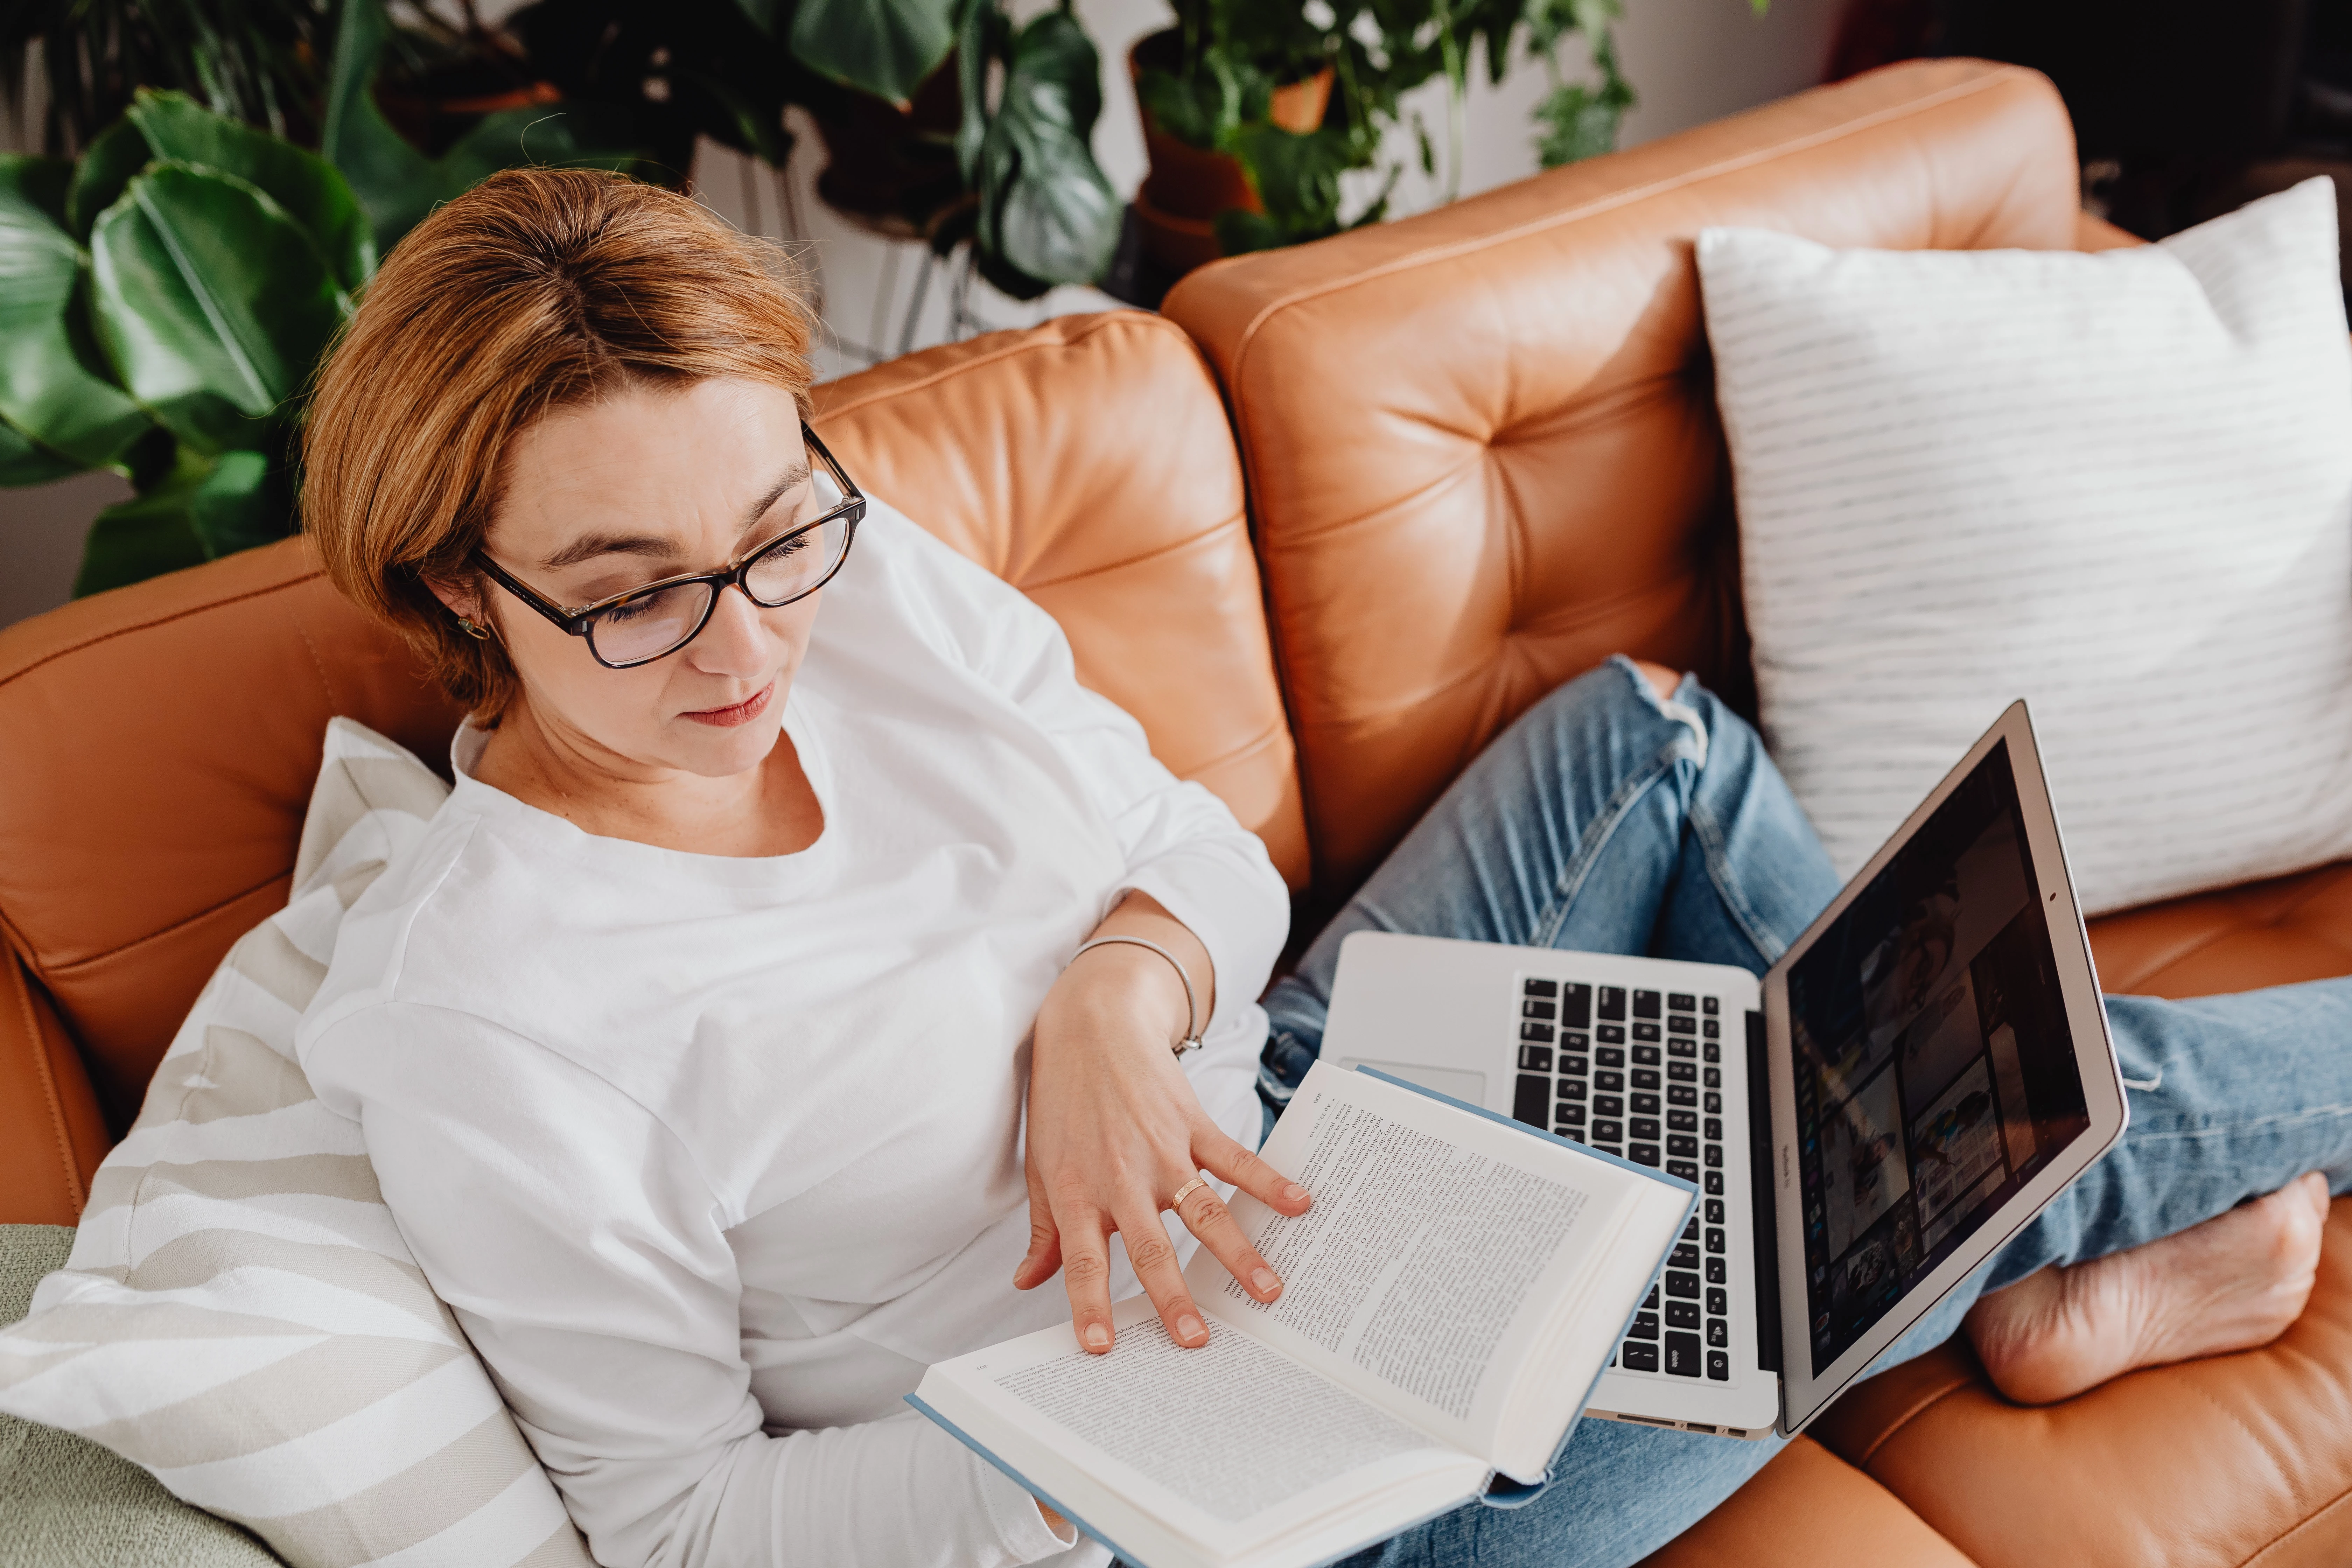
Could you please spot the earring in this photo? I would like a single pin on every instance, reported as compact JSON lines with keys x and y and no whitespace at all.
{"x":477,"y":633}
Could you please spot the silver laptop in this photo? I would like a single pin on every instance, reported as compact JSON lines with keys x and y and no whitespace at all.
{"x":1925,"y":1067}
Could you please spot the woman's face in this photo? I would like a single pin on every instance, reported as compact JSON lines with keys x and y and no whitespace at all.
{"x":645,"y":484}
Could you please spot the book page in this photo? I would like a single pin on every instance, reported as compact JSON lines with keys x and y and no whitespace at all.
{"x":1437,"y":1243}
{"x":1231,"y":1446}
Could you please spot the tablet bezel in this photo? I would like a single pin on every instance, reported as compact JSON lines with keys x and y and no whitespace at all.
{"x":1803,"y":1395}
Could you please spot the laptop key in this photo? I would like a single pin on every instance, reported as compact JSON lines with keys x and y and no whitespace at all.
{"x":1715,"y":1232}
{"x":1682,"y":1023}
{"x":1684,"y":1256}
{"x":1645,"y":1104}
{"x":1682,"y":1314}
{"x":1714,"y":1155}
{"x":1641,"y":1127}
{"x":1718,"y":1366}
{"x":1569,"y":1115}
{"x":1541,"y":987}
{"x":1608,"y":1131}
{"x":1608,"y":1080}
{"x":1641,"y":1358}
{"x":1714,"y":1101}
{"x":1710,"y":1004}
{"x":1531,"y":1101}
{"x":1532,"y":1008}
{"x":1713,"y":1051}
{"x":1712,"y":1028}
{"x":1714,"y":1184}
{"x":1680,"y":1284}
{"x":1645,"y":1326}
{"x":1681,"y":1001}
{"x":1679,"y":1094}
{"x":1642,"y":1154}
{"x":1576,"y":1006}
{"x":1681,"y":1355}
{"x":1538,"y":1033}
{"x":1650,"y":1302}
{"x":1571,"y":1064}
{"x":1573,"y":1134}
{"x":1572,"y":1089}
{"x":1686,"y":1169}
{"x":1714,"y":1130}
{"x":1612,"y":1002}
{"x":1647,"y":1056}
{"x":1719,"y":1303}
{"x":1682,"y":1145}
{"x":1690,"y":1231}
{"x":1610,"y":1033}
{"x":1714,"y":1211}
{"x":1535,"y":1058}
{"x":1715,"y":1270}
{"x":1682,"y":1049}
{"x":1683,"y":1120}
{"x":1645,"y":1078}
{"x":1718,"y":1332}
{"x":1607,"y":1105}
{"x":1646,"y":1004}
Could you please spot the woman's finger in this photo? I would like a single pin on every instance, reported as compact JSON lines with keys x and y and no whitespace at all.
{"x":1205,"y":1215}
{"x":1085,"y":1275}
{"x":1045,"y":1236}
{"x":1154,"y":1257}
{"x":1236,"y":1166}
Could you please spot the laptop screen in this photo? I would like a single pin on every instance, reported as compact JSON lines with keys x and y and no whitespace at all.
{"x":1936,"y":1071}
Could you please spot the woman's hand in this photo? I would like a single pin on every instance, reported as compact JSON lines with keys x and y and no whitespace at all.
{"x":1115,"y":1131}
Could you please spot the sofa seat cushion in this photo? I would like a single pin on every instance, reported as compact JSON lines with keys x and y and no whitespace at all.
{"x":2281,"y":931}
{"x":2228,"y":1460}
{"x":1808,"y":1509}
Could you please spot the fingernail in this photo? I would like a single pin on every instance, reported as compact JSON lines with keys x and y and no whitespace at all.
{"x":1189,"y":1327}
{"x":1291,"y":1192}
{"x":1097,"y":1336}
{"x":1265,"y":1282}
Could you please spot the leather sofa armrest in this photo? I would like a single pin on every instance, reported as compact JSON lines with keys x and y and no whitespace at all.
{"x":52,"y":1135}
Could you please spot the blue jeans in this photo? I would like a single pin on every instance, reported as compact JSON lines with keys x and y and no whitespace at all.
{"x":1609,"y":821}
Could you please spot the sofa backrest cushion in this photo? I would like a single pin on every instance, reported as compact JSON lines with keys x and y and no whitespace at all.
{"x":161,"y":740}
{"x":1482,"y":443}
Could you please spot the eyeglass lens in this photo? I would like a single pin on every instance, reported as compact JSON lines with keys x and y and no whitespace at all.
{"x":655,"y":624}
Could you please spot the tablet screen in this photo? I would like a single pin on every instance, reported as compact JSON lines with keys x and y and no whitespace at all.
{"x":1936,"y":1070}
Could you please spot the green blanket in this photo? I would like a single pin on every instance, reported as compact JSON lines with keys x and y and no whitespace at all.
{"x":67,"y":1503}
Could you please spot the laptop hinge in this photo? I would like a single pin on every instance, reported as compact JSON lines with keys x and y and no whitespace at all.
{"x":1759,"y":1194}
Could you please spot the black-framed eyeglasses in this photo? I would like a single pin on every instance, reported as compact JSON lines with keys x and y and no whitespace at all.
{"x":656,"y":620}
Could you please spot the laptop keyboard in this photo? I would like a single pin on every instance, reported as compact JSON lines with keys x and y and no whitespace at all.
{"x":1639,"y":1074}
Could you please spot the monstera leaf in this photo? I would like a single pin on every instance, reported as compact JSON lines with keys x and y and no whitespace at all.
{"x":883,"y":46}
{"x":1047,"y":214}
{"x":25,"y":461}
{"x":307,"y":187}
{"x":106,"y":166}
{"x":214,"y":301}
{"x":53,"y":387}
{"x":201,"y":509}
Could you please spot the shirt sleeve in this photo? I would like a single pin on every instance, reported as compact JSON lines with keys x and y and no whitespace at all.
{"x":585,"y":1256}
{"x":1181,"y":842}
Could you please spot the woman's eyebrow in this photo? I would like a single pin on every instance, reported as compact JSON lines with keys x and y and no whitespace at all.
{"x":589,"y":546}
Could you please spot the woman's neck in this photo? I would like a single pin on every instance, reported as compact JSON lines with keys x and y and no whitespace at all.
{"x":770,"y":809}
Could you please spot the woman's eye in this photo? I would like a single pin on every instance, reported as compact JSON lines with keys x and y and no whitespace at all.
{"x":636,"y":609}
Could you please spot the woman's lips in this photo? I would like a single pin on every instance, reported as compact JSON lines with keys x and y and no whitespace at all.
{"x":742,"y":712}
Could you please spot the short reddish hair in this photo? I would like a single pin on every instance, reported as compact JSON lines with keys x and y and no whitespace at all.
{"x":536,"y":290}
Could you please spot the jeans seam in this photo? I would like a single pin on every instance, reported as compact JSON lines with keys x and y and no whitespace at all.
{"x":1717,"y":854}
{"x":1612,"y":816}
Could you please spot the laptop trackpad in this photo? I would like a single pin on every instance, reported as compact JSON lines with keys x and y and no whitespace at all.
{"x":1460,"y":1082}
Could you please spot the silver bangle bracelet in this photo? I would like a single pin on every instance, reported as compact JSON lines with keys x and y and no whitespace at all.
{"x":1191,"y":1040}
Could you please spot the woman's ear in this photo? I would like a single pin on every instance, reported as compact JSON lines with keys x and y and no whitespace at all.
{"x":461,"y":596}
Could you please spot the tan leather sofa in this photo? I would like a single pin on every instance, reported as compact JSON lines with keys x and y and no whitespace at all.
{"x":1456,"y":460}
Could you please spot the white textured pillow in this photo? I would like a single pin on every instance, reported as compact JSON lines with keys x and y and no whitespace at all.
{"x":2118,"y":485}
{"x":239,"y":1315}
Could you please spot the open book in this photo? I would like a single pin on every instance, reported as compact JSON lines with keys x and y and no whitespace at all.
{"x":1448,"y":1303}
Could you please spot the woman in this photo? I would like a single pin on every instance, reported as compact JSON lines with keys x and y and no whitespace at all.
{"x":742,"y":1036}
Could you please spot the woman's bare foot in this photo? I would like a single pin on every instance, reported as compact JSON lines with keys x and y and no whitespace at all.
{"x":2229,"y":1284}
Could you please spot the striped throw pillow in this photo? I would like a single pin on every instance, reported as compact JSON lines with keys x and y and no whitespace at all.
{"x":2116,"y":485}
{"x":239,"y":1315}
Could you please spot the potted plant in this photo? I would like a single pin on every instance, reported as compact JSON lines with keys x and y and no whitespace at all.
{"x":1254,"y":108}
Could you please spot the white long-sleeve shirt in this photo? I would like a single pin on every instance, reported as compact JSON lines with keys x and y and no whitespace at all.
{"x":713,"y":1156}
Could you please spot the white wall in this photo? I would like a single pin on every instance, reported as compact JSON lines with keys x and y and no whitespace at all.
{"x":1689,"y":61}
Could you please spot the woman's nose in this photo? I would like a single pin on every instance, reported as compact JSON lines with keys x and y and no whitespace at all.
{"x":736,"y":642}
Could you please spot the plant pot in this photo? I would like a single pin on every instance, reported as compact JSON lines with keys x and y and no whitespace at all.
{"x":1188,"y":186}
{"x":891,"y":169}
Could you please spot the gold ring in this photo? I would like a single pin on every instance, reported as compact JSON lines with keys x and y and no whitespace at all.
{"x":1186,"y":1191}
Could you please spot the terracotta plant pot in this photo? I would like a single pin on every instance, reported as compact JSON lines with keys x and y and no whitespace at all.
{"x":1188,"y":186}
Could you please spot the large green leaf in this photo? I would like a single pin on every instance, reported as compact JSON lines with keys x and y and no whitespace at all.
{"x":237,"y":506}
{"x":306,"y":186}
{"x":25,"y":461}
{"x":397,"y":184}
{"x":54,"y":385}
{"x":884,"y":46}
{"x":1044,"y":206}
{"x":212,"y":302}
{"x":106,"y":166}
{"x":150,"y":534}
